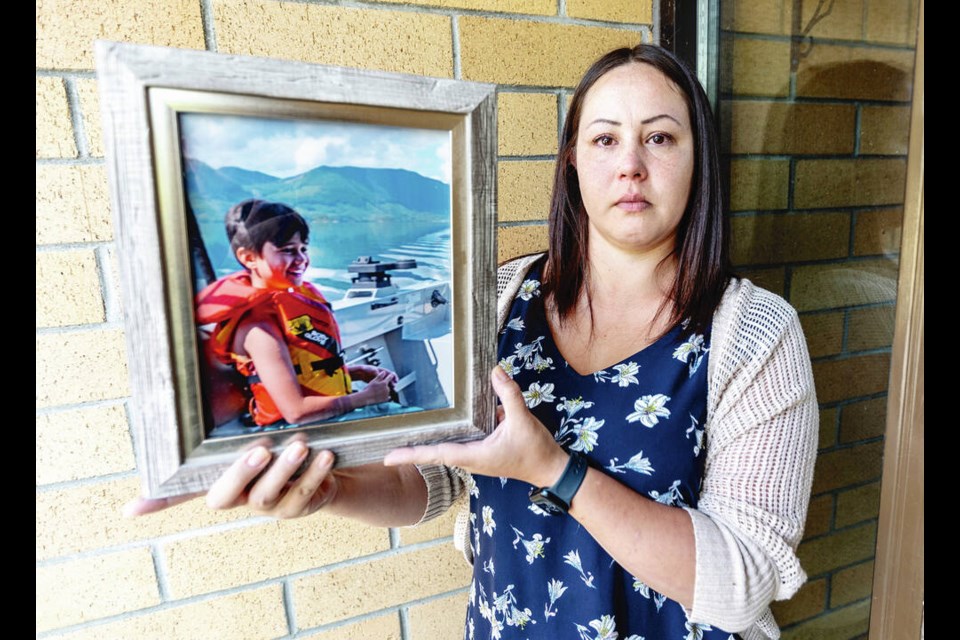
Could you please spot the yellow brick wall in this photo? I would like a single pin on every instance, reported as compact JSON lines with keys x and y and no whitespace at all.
{"x":818,"y":143}
{"x":191,"y":573}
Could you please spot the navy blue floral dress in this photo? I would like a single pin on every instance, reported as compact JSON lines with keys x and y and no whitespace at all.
{"x":641,"y":422}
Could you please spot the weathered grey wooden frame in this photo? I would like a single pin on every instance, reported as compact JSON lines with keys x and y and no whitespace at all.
{"x":165,"y":404}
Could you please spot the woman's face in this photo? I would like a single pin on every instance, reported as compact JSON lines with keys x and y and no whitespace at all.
{"x":634,"y":159}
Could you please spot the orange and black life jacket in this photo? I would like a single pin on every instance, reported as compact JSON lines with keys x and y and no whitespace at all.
{"x":306,"y":321}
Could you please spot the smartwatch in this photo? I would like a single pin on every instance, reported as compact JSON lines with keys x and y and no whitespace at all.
{"x":555,"y":500}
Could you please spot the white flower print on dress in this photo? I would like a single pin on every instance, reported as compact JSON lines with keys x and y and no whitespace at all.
{"x":472,"y":487}
{"x":646,"y":592}
{"x":573,"y":559}
{"x":691,"y":352}
{"x":605,"y":629}
{"x":536,"y":394}
{"x":508,"y":367}
{"x":555,"y":589}
{"x":585,"y":435}
{"x":697,"y":436}
{"x":626,"y":374}
{"x":516,"y":324}
{"x":695,"y":631}
{"x":541,"y":364}
{"x":519,"y":618}
{"x":649,"y":409}
{"x":489,"y":524}
{"x":528,"y":289}
{"x":573,"y":405}
{"x":535,"y":547}
{"x":637,"y":463}
{"x":489,"y":568}
{"x":671,"y":496}
{"x":579,"y":434}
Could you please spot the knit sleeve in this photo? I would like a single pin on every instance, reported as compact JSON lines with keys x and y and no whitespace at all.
{"x":444,"y":487}
{"x":761,"y":445}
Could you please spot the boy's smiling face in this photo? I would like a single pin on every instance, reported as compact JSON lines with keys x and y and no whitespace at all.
{"x":277,"y":267}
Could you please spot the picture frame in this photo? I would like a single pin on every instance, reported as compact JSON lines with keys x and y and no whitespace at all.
{"x":190,"y":135}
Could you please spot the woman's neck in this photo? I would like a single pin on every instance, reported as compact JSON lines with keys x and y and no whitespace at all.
{"x":618,"y":276}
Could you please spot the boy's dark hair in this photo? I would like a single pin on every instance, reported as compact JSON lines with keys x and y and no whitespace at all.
{"x":253,"y":223}
{"x":703,"y":236}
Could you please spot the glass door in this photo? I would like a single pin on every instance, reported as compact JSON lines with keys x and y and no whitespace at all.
{"x":814,"y":99}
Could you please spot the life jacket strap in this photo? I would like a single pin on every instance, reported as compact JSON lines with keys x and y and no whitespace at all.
{"x":328,"y":365}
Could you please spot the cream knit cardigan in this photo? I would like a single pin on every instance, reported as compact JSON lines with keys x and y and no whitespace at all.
{"x":761,"y":442}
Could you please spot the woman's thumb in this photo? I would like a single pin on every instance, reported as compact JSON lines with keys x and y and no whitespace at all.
{"x":508,"y":391}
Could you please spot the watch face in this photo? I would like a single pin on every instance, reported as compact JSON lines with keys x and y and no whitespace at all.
{"x":548,"y":502}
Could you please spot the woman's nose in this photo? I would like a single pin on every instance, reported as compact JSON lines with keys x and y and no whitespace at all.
{"x":632,"y":163}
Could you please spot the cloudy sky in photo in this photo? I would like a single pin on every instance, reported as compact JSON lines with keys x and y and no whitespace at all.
{"x":285,"y":148}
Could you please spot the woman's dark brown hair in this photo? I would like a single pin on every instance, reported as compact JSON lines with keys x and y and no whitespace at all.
{"x":702,"y":248}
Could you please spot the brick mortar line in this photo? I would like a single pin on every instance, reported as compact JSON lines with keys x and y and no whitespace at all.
{"x":815,"y":157}
{"x":831,"y":533}
{"x":289,"y":610}
{"x":854,"y":44}
{"x":530,"y":158}
{"x":503,"y":224}
{"x":844,"y":260}
{"x":112,"y":308}
{"x":209,"y":25}
{"x":400,"y":608}
{"x":480,"y":13}
{"x":136,"y":613}
{"x":167,"y":603}
{"x":856,"y":354}
{"x":62,"y":247}
{"x":87,"y":161}
{"x":822,"y":614}
{"x":455,"y":45}
{"x":850,"y":208}
{"x":842,"y":403}
{"x":402,"y":615}
{"x":75,"y":113}
{"x":66,"y":73}
{"x":80,"y":328}
{"x":226,"y":527}
{"x":91,"y":404}
{"x":726,"y":98}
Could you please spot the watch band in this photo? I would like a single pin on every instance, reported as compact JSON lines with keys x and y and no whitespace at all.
{"x":557,"y":498}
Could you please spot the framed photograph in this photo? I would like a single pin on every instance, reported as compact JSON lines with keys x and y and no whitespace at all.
{"x":305,"y":252}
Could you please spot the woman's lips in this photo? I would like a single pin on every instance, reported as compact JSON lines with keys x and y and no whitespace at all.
{"x":633,"y":202}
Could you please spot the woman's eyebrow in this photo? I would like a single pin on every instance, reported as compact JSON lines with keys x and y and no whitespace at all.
{"x":617,"y":123}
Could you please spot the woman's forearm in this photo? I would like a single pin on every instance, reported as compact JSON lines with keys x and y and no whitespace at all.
{"x":379,"y":495}
{"x":652,"y":541}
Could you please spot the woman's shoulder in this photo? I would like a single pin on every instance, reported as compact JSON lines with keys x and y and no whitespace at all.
{"x":751,"y":314}
{"x":514,"y":270}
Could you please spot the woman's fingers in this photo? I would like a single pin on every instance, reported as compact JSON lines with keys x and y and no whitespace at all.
{"x":270,"y":488}
{"x":309,"y":493}
{"x":227,"y":491}
{"x":507,"y":390}
{"x":143,"y":506}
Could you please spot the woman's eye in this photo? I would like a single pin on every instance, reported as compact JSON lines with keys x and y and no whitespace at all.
{"x":604,"y":140}
{"x":659,"y":138}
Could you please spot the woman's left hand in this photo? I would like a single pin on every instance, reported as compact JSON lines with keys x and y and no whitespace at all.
{"x":520,"y":447}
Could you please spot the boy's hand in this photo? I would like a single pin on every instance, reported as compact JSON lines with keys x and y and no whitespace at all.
{"x":379,"y":389}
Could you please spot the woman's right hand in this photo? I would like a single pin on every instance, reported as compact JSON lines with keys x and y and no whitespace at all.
{"x":275,"y":493}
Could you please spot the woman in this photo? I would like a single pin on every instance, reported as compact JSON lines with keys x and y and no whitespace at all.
{"x":662,"y":411}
